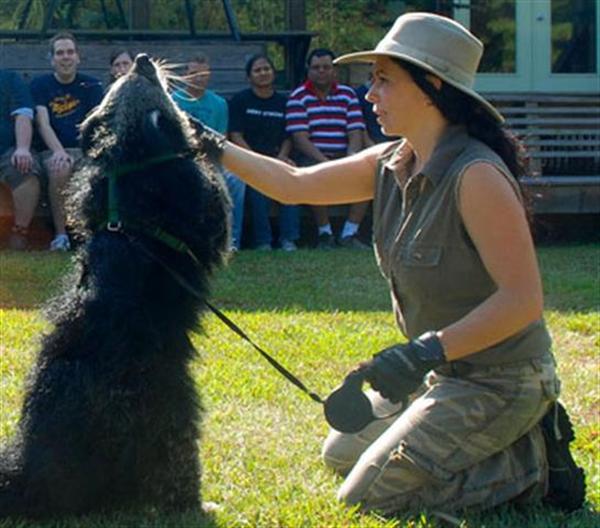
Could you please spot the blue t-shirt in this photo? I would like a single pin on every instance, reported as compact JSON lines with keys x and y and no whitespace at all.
{"x":15,"y":99}
{"x":211,"y":108}
{"x":67,"y":104}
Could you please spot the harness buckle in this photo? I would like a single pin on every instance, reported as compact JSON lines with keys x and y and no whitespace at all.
{"x":114,"y":227}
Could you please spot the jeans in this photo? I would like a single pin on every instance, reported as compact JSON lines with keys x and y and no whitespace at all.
{"x":289,"y":219}
{"x":237,"y":190}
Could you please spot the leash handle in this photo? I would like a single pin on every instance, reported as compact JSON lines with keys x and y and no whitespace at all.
{"x":278,"y":366}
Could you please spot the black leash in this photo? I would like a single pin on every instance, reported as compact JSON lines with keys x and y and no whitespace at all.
{"x":115,"y":224}
{"x":347,"y":408}
{"x":226,"y":320}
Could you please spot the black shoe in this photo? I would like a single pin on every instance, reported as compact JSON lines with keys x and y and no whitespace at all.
{"x":566,"y":486}
{"x":325,"y":241}
{"x":352,"y":242}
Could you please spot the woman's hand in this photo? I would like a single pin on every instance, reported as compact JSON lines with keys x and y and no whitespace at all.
{"x":396,"y":372}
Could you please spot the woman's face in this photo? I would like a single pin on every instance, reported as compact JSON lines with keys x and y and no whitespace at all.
{"x":261,"y":74}
{"x":121,"y":65}
{"x":397,"y":101}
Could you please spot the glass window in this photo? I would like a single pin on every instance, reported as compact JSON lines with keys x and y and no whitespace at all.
{"x":574,"y":35}
{"x":493,"y":22}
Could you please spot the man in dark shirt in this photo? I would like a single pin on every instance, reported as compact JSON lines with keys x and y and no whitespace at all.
{"x":257,"y":122}
{"x":62,"y":100}
{"x":19,"y":169}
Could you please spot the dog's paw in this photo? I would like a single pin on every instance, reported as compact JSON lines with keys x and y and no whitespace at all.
{"x":209,"y":507}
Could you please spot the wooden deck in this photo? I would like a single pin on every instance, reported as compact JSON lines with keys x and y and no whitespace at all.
{"x":562,"y":137}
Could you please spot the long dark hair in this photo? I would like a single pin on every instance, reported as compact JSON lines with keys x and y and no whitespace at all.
{"x":459,"y":108}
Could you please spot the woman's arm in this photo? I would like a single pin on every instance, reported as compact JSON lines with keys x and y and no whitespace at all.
{"x":341,"y":181}
{"x":496,"y":222}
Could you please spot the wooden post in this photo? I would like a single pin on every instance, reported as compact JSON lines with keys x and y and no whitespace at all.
{"x":295,"y":15}
{"x":139,"y":14}
{"x":295,"y":50}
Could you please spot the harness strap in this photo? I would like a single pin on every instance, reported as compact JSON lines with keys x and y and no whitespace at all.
{"x":114,"y":221}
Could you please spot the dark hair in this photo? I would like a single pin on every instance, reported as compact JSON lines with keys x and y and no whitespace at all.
{"x":116,"y":53}
{"x":199,"y":58}
{"x":459,"y":108}
{"x":62,"y":35}
{"x":250,"y":62}
{"x":319,"y":52}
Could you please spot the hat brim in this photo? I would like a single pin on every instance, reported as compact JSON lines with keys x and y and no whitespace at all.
{"x":370,"y":56}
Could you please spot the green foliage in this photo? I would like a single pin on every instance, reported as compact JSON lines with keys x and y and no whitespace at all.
{"x":319,"y":313}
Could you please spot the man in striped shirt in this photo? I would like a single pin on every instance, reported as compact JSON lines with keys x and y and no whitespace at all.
{"x":325,"y":121}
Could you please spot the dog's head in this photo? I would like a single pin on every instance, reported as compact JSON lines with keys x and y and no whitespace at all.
{"x":144,"y":145}
{"x":137,"y":119}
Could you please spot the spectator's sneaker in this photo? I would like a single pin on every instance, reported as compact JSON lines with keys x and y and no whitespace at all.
{"x":325,"y":241}
{"x":288,"y":245}
{"x":60,"y":243}
{"x":352,"y":242}
{"x":566,"y":481}
{"x":263,"y":247}
{"x":17,"y":240}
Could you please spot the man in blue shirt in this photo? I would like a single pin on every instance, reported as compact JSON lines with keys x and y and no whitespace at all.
{"x":62,"y":100}
{"x":198,"y":101}
{"x":19,"y":169}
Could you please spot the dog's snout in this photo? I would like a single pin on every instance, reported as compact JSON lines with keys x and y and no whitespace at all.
{"x":143,"y":65}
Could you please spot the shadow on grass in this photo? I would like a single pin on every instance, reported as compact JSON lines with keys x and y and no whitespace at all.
{"x":307,"y":280}
{"x":149,"y":519}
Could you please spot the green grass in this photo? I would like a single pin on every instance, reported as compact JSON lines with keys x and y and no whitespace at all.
{"x":319,"y":313}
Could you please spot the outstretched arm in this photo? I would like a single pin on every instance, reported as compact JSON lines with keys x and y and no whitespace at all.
{"x":346,"y":180}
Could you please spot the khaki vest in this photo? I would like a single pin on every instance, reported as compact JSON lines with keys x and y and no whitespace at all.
{"x":435,"y":274}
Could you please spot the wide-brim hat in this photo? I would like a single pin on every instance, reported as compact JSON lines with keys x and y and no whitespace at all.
{"x":437,"y":44}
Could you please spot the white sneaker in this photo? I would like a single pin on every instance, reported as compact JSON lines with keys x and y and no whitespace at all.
{"x":60,"y":243}
{"x":288,"y":245}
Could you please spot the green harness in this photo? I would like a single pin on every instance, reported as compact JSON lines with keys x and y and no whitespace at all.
{"x":115,"y":224}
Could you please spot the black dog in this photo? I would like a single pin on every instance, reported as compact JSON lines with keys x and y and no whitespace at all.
{"x":111,"y":415}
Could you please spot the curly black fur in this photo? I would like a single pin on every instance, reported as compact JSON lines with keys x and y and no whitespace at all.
{"x":111,"y":415}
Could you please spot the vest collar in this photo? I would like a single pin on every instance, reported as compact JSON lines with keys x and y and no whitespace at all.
{"x":453,"y":141}
{"x":451,"y":144}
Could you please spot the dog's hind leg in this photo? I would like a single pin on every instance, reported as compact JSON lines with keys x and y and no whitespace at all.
{"x":174,"y":482}
{"x":12,"y":499}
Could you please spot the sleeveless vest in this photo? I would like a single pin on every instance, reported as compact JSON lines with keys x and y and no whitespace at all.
{"x":434,"y":271}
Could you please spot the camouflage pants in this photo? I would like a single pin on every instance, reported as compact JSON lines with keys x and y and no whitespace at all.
{"x":471,"y":440}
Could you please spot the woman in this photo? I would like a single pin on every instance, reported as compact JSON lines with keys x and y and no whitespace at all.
{"x":120,"y":62}
{"x":257,"y":122}
{"x":451,"y":237}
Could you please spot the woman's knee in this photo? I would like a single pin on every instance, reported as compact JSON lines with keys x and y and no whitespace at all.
{"x":340,"y":452}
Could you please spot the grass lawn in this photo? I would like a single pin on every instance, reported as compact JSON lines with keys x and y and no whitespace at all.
{"x":319,"y":313}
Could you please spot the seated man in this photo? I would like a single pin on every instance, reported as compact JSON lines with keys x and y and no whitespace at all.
{"x":62,"y":100}
{"x":19,"y":170}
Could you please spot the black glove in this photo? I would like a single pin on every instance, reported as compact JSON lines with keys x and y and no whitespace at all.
{"x":211,"y":142}
{"x":398,"y":371}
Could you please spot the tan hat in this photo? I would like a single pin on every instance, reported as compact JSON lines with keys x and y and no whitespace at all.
{"x":437,"y":44}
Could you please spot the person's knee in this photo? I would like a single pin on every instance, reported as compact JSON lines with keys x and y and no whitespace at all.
{"x":30,"y":185}
{"x":338,"y":454}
